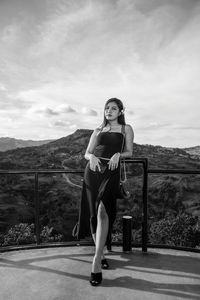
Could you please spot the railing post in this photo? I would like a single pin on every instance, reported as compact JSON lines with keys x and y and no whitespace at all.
{"x":145,"y":208}
{"x":37,"y":211}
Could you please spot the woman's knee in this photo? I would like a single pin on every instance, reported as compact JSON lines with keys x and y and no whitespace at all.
{"x":102,"y":214}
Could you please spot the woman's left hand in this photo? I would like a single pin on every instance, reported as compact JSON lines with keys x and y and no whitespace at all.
{"x":113,"y":162}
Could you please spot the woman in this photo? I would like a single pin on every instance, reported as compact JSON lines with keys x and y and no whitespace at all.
{"x":101,"y":180}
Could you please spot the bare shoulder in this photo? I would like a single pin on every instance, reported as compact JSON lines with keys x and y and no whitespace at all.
{"x":93,"y":139}
{"x":128,"y":129}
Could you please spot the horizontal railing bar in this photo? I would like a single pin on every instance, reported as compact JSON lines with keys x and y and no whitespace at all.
{"x":39,"y":171}
{"x":173,"y":171}
{"x":150,"y":171}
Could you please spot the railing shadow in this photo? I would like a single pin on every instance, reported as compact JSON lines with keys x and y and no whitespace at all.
{"x":148,"y":265}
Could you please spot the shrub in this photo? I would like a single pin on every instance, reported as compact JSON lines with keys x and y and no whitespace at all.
{"x":20,"y":234}
{"x":23,"y":233}
{"x":182,"y":230}
{"x":117,"y":237}
{"x":50,"y":235}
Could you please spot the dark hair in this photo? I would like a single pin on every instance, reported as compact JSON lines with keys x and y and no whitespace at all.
{"x":121,"y":118}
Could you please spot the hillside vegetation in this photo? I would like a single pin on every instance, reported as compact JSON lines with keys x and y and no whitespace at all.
{"x":7,"y":143}
{"x":59,"y":194}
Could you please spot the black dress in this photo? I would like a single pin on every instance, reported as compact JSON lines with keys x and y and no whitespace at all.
{"x":100,"y":186}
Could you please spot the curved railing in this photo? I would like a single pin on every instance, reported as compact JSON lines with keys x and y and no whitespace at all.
{"x":146,"y":171}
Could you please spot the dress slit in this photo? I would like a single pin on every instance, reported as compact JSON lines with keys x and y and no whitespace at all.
{"x":97,"y":187}
{"x":100,"y":186}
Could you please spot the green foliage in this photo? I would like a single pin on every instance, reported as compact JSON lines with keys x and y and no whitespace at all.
{"x":117,"y":237}
{"x":182,"y":230}
{"x":24,"y":233}
{"x":60,"y":200}
{"x":58,"y":206}
{"x":19,"y":234}
{"x":48,"y":234}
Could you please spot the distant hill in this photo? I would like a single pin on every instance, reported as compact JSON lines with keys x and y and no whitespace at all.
{"x":194,"y":151}
{"x":60,"y":194}
{"x":7,"y":143}
{"x":70,"y":150}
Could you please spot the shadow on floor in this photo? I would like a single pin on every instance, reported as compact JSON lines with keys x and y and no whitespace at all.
{"x":151,"y":263}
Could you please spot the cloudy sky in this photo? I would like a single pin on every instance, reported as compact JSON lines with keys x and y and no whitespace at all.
{"x":61,"y":60}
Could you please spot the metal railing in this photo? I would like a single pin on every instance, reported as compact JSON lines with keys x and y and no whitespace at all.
{"x":36,"y":173}
{"x":181,"y":172}
{"x":146,"y":171}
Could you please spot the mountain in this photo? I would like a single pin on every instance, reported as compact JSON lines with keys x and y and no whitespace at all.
{"x":7,"y":143}
{"x":193,"y":151}
{"x":70,"y":150}
{"x":60,"y":194}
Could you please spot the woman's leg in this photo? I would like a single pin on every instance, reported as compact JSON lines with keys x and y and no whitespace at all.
{"x":94,"y":239}
{"x":101,"y":236}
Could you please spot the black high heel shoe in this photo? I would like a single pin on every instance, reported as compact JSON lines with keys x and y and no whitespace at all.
{"x":96,"y":278}
{"x":104,"y":263}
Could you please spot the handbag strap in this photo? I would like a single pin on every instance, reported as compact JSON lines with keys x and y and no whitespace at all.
{"x":123,"y":141}
{"x":123,"y":162}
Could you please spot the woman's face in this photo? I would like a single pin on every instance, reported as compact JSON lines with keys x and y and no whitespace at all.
{"x":112,"y":111}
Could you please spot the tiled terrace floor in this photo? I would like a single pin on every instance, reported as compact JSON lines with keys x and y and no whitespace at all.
{"x":63,"y":273}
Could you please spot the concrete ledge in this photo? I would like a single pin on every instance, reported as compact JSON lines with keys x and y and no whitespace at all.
{"x":63,"y":273}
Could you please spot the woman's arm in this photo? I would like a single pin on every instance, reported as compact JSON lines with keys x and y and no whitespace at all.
{"x":91,"y":145}
{"x":94,"y":161}
{"x":129,"y":137}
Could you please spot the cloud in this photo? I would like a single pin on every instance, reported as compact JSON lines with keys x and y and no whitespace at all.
{"x":66,"y":109}
{"x":59,"y":56}
{"x":171,"y":130}
{"x":153,"y":126}
{"x":11,"y":34}
{"x":53,"y":93}
{"x":61,"y":123}
{"x":50,"y":112}
{"x":130,"y":112}
{"x":73,"y":127}
{"x":10,"y":102}
{"x":186,"y":127}
{"x":3,"y":87}
{"x":88,"y":111}
{"x":62,"y":25}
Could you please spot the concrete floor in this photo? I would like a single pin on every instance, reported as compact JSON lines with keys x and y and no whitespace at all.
{"x":63,"y":273}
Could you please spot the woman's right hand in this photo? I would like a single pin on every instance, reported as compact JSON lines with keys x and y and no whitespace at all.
{"x":94,"y":163}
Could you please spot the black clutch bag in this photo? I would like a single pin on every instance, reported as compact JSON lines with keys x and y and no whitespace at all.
{"x":123,"y":193}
